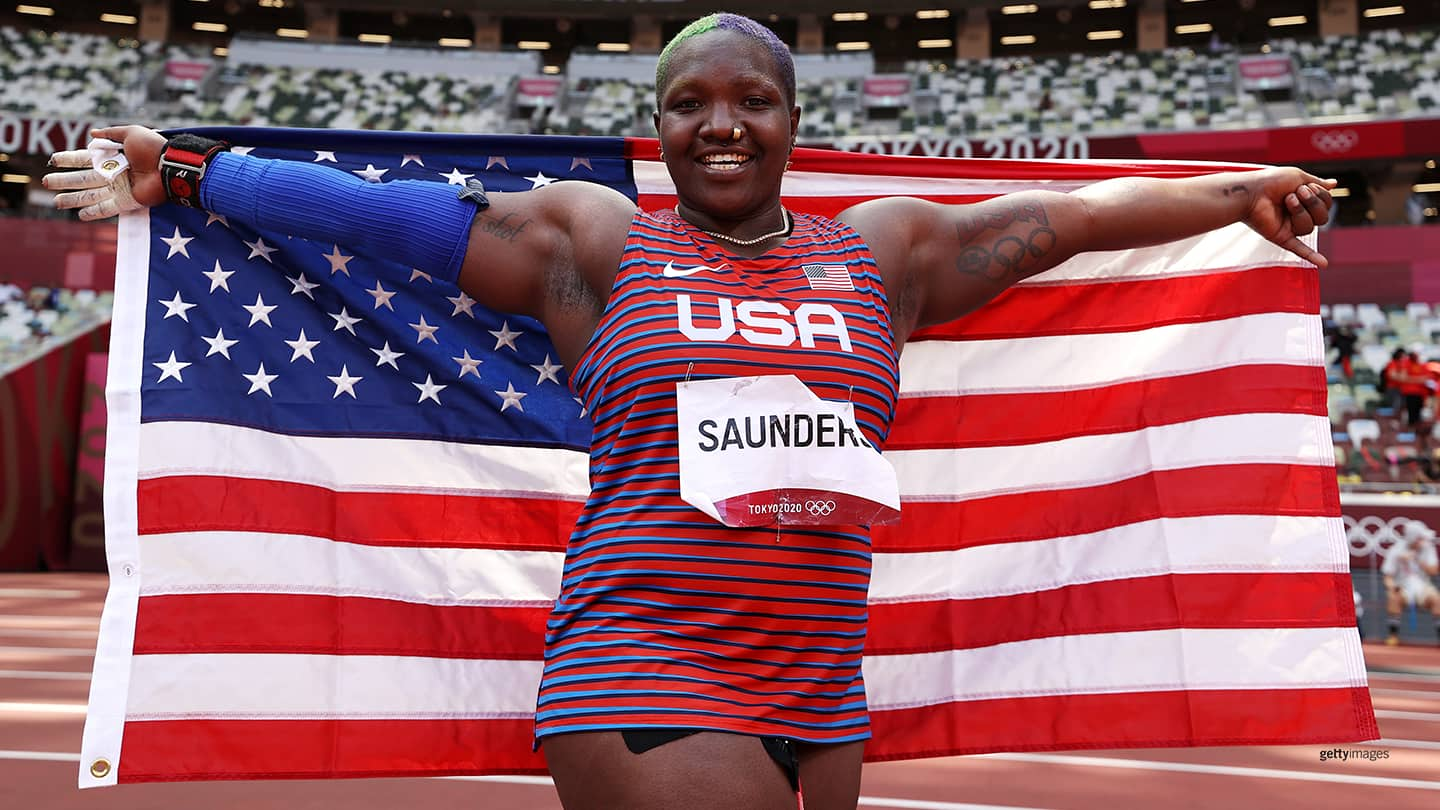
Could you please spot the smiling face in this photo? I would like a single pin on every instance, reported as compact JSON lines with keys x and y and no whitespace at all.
{"x":717,"y":81}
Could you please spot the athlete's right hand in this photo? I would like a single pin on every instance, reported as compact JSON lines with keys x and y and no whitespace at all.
{"x":98,"y":198}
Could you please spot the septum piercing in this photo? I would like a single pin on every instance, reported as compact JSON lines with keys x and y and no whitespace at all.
{"x":735,"y":133}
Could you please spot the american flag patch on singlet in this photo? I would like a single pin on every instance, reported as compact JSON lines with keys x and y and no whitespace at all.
{"x":828,"y":277}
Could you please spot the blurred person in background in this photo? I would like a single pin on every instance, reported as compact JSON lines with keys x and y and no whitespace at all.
{"x":1407,"y":569}
{"x":727,"y":123}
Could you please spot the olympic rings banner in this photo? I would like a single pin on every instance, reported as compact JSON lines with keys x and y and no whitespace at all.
{"x":1374,"y":523}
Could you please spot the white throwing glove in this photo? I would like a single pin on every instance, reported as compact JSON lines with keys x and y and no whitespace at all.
{"x":102,"y":189}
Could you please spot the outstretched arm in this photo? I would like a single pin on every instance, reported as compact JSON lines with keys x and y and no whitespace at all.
{"x":550,"y":253}
{"x":942,"y":261}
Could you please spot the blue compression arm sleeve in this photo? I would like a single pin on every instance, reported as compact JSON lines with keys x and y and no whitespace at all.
{"x":417,"y":223}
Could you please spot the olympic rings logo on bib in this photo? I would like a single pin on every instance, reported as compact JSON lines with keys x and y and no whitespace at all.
{"x":820,"y":508}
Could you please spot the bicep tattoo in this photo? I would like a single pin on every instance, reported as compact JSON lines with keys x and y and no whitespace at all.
{"x":1025,"y":237}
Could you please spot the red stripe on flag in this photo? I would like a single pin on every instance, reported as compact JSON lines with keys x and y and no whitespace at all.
{"x":335,"y":625}
{"x":180,"y":750}
{"x":327,"y":625}
{"x":189,"y":503}
{"x":1127,"y":719}
{"x":1117,"y":606}
{"x":1064,"y":308}
{"x":989,"y":420}
{"x":1238,"y":489}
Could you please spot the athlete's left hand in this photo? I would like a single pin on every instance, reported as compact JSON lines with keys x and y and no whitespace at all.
{"x":1286,"y":204}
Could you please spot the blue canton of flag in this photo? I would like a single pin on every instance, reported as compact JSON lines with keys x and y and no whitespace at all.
{"x":828,"y":277}
{"x":259,"y":329}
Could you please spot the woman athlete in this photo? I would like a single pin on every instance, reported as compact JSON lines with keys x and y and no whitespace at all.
{"x":690,"y":664}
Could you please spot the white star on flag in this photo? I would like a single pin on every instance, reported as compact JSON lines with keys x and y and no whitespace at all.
{"x":462,"y":303}
{"x":219,"y":278}
{"x":582,"y":406}
{"x":344,"y":383}
{"x":322,"y":155}
{"x":219,"y":344}
{"x":176,"y":306}
{"x":170,"y":368}
{"x":177,"y":244}
{"x":344,"y":320}
{"x":540,"y":180}
{"x":259,"y":311}
{"x":575,"y":163}
{"x":302,"y":286}
{"x":547,"y":371}
{"x":424,"y":331}
{"x":242,"y":150}
{"x":382,"y":296}
{"x":408,"y":159}
{"x":214,"y":218}
{"x":302,"y":347}
{"x":259,"y":248}
{"x":387,"y":356}
{"x":456,"y":177}
{"x":414,"y":274}
{"x":429,"y":390}
{"x":468,"y":365}
{"x":493,"y":161}
{"x":511,"y":398}
{"x":338,"y":261}
{"x":505,"y":337}
{"x":260,"y":381}
{"x":370,"y":173}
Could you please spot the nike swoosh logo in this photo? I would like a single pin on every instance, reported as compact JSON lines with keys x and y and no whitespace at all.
{"x":671,"y":271}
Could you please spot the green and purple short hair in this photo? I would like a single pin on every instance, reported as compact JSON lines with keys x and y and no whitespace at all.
{"x":745,"y":26}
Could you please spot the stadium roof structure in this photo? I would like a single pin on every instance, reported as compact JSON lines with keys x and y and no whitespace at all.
{"x":695,"y":8}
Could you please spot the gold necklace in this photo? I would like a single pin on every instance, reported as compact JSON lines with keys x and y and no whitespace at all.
{"x":784,"y":229}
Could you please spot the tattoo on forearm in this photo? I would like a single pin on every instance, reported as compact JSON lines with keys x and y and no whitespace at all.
{"x":1238,"y":188}
{"x":1011,"y":256}
{"x":502,"y":227}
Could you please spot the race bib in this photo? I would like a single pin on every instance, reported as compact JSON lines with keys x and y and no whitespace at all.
{"x":762,"y":451}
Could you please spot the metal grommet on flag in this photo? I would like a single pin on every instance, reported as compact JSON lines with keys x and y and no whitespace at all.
{"x":100,"y":768}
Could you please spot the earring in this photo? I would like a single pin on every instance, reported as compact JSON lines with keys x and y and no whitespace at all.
{"x":788,"y":164}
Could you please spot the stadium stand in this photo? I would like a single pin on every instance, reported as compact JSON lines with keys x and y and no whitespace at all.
{"x":35,"y":321}
{"x":65,"y":73}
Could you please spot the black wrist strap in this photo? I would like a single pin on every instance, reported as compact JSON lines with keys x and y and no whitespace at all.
{"x":183,"y":163}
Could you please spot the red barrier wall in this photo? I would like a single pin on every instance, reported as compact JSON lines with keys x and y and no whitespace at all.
{"x":57,"y":253}
{"x":40,"y":407}
{"x":1388,"y":264}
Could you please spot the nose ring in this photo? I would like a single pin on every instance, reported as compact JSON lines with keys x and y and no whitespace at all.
{"x":735,"y":133}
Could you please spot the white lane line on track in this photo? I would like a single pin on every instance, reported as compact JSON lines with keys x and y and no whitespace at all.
{"x":1415,"y":677}
{"x":37,"y":632}
{"x":40,"y":756}
{"x":41,"y":708}
{"x":75,"y":651}
{"x":865,"y":801}
{"x":43,"y":675}
{"x":88,"y":622}
{"x":1219,"y":770}
{"x":41,"y":593}
{"x":1428,"y":745}
{"x":1424,"y":717}
{"x":1422,"y":694}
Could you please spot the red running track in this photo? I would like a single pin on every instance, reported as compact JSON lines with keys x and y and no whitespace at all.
{"x":48,"y":624}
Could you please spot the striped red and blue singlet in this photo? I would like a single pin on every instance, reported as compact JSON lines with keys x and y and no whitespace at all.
{"x":665,"y":617}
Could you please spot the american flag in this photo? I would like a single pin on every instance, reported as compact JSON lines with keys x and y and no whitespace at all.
{"x":338,"y":493}
{"x":828,"y":277}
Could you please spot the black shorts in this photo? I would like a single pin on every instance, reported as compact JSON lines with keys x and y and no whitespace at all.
{"x":780,"y":749}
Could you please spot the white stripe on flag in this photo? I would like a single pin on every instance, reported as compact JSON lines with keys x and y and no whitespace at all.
{"x":295,"y":686}
{"x":1218,"y":544}
{"x":348,"y":464}
{"x":1058,"y":362}
{"x":972,"y":472}
{"x":1144,"y":661}
{"x":193,"y":562}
